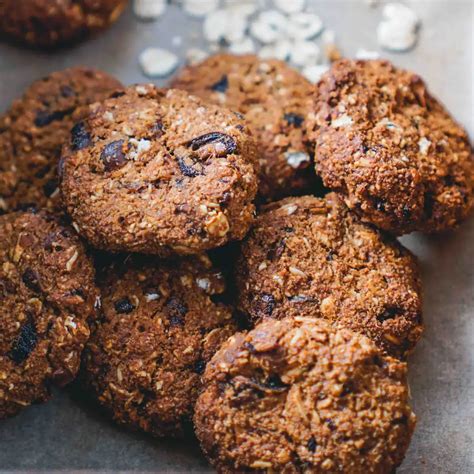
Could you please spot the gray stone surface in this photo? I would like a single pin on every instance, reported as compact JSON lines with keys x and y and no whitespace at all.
{"x":68,"y":434}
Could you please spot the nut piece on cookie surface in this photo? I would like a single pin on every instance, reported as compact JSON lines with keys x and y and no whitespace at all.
{"x":390,"y":148}
{"x":299,"y":395}
{"x":33,"y":130}
{"x":161,"y":323}
{"x":159,"y":172}
{"x":310,"y":256}
{"x":47,"y":295}
{"x":275,"y":100}
{"x":53,"y":23}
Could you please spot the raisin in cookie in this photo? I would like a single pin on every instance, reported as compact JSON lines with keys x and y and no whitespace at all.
{"x":390,"y":148}
{"x":34,"y":129}
{"x":313,"y":257}
{"x":47,"y":294}
{"x":299,"y":395}
{"x":275,"y":101}
{"x":161,"y":323}
{"x":50,"y":23}
{"x":159,"y":172}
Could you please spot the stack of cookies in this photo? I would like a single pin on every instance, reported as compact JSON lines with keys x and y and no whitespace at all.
{"x":225,"y":252}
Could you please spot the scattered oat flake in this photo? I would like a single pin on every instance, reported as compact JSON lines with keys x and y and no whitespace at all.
{"x":304,"y":26}
{"x":200,"y":7}
{"x":246,"y":46}
{"x":270,"y":26}
{"x":157,"y":62}
{"x":221,"y":25}
{"x":280,"y":50}
{"x":305,"y":53}
{"x":367,"y":54}
{"x":149,"y":9}
{"x":243,"y":8}
{"x":290,"y":6}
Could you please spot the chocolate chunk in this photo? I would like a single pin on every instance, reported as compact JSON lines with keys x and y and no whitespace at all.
{"x":24,"y":344}
{"x":223,"y":144}
{"x":80,"y":137}
{"x":45,"y":117}
{"x":266,"y":304}
{"x":176,"y":311}
{"x":380,"y":205}
{"x":113,"y":156}
{"x":199,"y":367}
{"x":274,"y":383}
{"x":124,"y":306}
{"x":222,"y":85}
{"x":294,"y":119}
{"x":67,"y":91}
{"x":312,"y":445}
{"x":31,"y":280}
{"x":49,"y":187}
{"x":189,"y":167}
{"x":389,"y":312}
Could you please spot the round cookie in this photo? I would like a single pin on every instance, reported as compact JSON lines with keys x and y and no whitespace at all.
{"x":34,"y":129}
{"x":159,"y":172}
{"x":313,"y":257}
{"x":299,"y":395}
{"x":275,"y":100}
{"x":47,"y":294}
{"x":161,"y":323}
{"x":390,"y":148}
{"x":51,"y":23}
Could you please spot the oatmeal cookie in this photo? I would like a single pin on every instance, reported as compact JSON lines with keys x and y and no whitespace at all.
{"x":299,"y":395}
{"x":159,"y":172}
{"x":275,"y":100}
{"x":47,"y":294}
{"x":34,"y":129}
{"x":161,"y":323}
{"x":390,"y":148}
{"x":313,"y":257}
{"x":51,"y":23}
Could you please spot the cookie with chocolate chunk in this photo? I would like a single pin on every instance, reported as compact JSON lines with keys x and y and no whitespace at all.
{"x":313,"y":257}
{"x":51,"y":23}
{"x":275,"y":102}
{"x":161,"y":323}
{"x":390,"y":148}
{"x":159,"y":172}
{"x":34,"y":129}
{"x":299,"y":395}
{"x":47,"y":295}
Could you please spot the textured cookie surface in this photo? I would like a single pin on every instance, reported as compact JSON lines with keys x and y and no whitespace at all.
{"x":49,"y":23}
{"x":313,"y":257}
{"x":161,"y":324}
{"x":160,"y":172}
{"x":47,"y":293}
{"x":34,"y":129}
{"x":298,"y":395}
{"x":390,"y":148}
{"x":275,"y":101}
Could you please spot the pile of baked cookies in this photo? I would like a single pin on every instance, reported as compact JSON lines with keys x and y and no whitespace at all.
{"x":224,"y":252}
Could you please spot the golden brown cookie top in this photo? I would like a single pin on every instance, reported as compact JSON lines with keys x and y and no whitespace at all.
{"x":275,"y":100}
{"x":34,"y":129}
{"x":390,"y":148}
{"x":299,"y":395}
{"x":52,"y":23}
{"x":47,"y":294}
{"x":308,"y":256}
{"x":159,"y":172}
{"x":161,"y":323}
